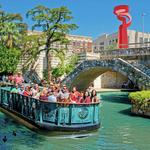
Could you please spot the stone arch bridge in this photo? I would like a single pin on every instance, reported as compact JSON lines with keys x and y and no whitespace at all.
{"x":88,"y":70}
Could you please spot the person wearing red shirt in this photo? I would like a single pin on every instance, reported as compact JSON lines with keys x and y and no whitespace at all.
{"x":27,"y":91}
{"x":86,"y":98}
{"x":75,"y":95}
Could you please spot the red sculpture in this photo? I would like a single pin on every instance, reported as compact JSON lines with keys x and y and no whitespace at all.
{"x":122,"y":13}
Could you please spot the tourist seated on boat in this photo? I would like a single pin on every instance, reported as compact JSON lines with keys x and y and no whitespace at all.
{"x":80,"y":99}
{"x":51,"y":97}
{"x":43,"y":95}
{"x":35,"y":91}
{"x":86,"y":98}
{"x":94,"y":97}
{"x":18,"y":79}
{"x":63,"y":94}
{"x":59,"y":94}
{"x":21,"y":89}
{"x":27,"y":91}
{"x":51,"y":87}
{"x":15,"y":89}
{"x":74,"y":95}
{"x":57,"y":90}
{"x":90,"y":88}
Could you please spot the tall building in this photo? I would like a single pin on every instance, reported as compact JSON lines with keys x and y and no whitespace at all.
{"x":110,"y":41}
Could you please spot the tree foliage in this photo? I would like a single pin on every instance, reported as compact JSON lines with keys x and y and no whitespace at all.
{"x":140,"y":99}
{"x":9,"y":59}
{"x":30,"y":50}
{"x":11,"y":29}
{"x":66,"y":65}
{"x":54,"y":23}
{"x":15,"y":41}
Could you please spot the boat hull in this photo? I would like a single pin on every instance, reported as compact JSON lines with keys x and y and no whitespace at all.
{"x":51,"y":116}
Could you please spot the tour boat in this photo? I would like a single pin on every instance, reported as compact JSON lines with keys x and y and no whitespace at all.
{"x":48,"y":115}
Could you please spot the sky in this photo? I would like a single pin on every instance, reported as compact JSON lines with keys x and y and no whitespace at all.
{"x":93,"y":17}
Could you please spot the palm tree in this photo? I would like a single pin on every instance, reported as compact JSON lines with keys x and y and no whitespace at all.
{"x":10,"y":34}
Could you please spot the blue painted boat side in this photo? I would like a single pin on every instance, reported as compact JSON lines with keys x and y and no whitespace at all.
{"x":52,"y":116}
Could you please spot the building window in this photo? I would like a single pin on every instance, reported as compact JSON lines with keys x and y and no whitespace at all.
{"x":146,"y":41}
{"x":129,"y":39}
{"x":141,"y":41}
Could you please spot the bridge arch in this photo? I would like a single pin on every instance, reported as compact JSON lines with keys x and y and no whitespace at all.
{"x":88,"y":70}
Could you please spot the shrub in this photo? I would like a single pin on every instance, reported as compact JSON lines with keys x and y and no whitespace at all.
{"x":140,"y":99}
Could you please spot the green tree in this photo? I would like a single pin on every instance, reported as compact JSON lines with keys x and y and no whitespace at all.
{"x":9,"y":59}
{"x":54,"y":23}
{"x":66,"y":64}
{"x":70,"y":66}
{"x":11,"y":35}
{"x":30,"y":50}
{"x":11,"y":29}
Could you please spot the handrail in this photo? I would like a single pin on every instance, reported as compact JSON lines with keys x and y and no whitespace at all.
{"x":125,"y":62}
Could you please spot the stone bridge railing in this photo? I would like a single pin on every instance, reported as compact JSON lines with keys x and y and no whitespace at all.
{"x":117,"y":53}
{"x":76,"y":78}
{"x":137,"y":75}
{"x":121,"y":53}
{"x":141,"y":67}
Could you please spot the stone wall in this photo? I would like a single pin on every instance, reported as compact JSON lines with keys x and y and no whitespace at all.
{"x":88,"y":70}
{"x":112,"y":79}
{"x":141,"y":111}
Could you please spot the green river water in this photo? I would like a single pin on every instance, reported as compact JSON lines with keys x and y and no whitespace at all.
{"x":119,"y":131}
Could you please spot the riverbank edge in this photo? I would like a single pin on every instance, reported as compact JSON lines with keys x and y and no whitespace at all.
{"x":140,"y":112}
{"x":114,"y":90}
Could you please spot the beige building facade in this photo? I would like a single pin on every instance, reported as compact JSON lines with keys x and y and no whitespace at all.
{"x":110,"y":41}
{"x":79,"y":43}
